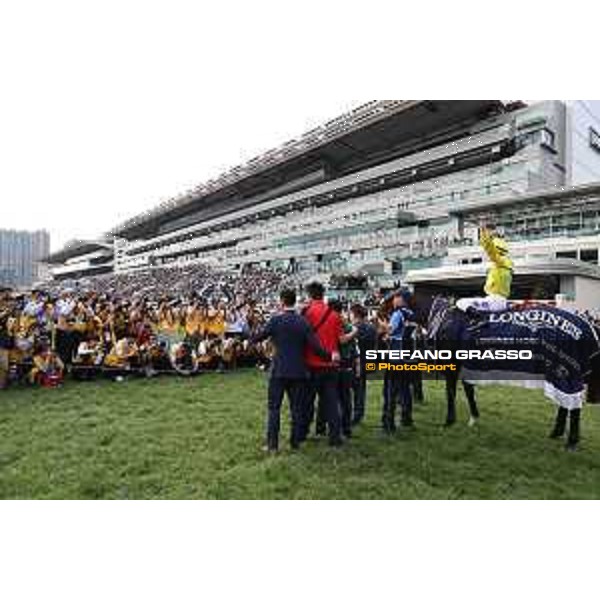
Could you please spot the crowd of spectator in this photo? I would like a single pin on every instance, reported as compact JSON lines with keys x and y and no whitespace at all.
{"x":196,"y":280}
{"x":189,"y":320}
{"x":181,"y":319}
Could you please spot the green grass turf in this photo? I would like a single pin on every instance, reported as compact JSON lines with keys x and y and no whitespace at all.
{"x":202,"y":438}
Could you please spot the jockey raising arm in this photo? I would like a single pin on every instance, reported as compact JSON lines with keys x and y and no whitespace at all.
{"x":499,"y":277}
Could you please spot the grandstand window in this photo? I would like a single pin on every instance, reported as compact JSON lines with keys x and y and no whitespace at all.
{"x":567,"y":254}
{"x":594,"y":139}
{"x":541,"y":136}
{"x":547,"y":138}
{"x":589,"y":255}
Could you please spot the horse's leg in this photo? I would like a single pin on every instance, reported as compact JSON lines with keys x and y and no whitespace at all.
{"x":560,"y":423}
{"x":574,"y":429}
{"x":451,"y":386}
{"x":473,"y":409}
{"x":418,"y":388}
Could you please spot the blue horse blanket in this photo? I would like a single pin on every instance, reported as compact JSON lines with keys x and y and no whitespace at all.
{"x":562,"y":345}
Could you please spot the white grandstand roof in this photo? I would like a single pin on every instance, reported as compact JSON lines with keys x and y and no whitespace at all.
{"x":357,"y":118}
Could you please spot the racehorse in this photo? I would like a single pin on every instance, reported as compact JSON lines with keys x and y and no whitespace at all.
{"x":442,"y":330}
{"x":451,"y":328}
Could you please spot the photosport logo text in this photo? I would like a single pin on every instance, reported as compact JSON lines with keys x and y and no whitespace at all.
{"x":434,"y":361}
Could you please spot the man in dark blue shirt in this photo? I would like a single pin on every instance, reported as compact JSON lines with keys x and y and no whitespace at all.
{"x":366,"y":338}
{"x":396,"y":385}
{"x":290,"y":334}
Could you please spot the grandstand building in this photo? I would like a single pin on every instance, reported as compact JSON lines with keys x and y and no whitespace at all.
{"x":392,"y":190}
{"x":81,"y":258}
{"x":377,"y":190}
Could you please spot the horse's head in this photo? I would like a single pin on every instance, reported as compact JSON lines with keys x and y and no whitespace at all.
{"x":437,"y":316}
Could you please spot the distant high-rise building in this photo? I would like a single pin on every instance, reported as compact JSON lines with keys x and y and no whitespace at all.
{"x":20,"y":256}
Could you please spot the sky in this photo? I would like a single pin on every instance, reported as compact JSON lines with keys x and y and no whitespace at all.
{"x":108,"y":108}
{"x":103,"y":120}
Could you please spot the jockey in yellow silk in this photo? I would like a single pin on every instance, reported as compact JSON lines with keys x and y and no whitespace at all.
{"x":499,"y":276}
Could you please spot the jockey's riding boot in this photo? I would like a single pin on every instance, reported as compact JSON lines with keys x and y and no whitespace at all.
{"x":474,"y":317}
{"x":471,"y":312}
{"x":560,"y":425}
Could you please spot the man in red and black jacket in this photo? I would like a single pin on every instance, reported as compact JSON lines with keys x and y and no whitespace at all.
{"x":327,"y":326}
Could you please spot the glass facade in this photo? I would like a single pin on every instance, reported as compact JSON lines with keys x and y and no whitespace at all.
{"x":404,"y":225}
